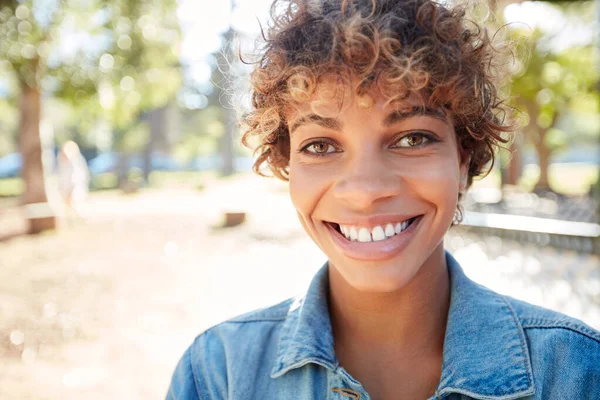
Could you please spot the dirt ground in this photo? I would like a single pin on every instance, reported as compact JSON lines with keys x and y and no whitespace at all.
{"x":104,"y":307}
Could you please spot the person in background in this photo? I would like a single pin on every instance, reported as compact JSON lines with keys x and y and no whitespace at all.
{"x":73,"y":178}
{"x":380,"y":113}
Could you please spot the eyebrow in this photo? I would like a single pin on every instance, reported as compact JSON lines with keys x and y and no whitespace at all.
{"x":398,"y":116}
{"x":391,"y":119}
{"x":329,"y":123}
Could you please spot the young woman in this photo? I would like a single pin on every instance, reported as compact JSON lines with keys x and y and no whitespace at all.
{"x":380,"y":113}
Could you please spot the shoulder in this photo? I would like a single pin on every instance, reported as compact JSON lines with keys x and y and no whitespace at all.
{"x":244,"y":324}
{"x":252,"y":325}
{"x":562,"y":350}
{"x":253,"y":329}
{"x":277,"y":312}
{"x":247,"y":341}
{"x":552,"y":322}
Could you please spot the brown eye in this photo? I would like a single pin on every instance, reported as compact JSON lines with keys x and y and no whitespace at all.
{"x":414,"y":140}
{"x":320,"y":148}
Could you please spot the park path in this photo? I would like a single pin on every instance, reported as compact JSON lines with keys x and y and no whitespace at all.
{"x":104,"y":308}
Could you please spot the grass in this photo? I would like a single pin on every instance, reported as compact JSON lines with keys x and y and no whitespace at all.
{"x":157,"y":179}
{"x":197,"y":180}
{"x":11,"y":187}
{"x":567,"y":179}
{"x":104,"y":181}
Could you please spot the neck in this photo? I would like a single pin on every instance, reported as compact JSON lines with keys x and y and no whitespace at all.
{"x":412,"y":318}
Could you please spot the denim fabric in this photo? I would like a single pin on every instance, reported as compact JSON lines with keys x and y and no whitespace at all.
{"x":495,"y":347}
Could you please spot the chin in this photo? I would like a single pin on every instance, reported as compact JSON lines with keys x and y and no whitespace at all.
{"x":377,"y":277}
{"x":387,"y":276}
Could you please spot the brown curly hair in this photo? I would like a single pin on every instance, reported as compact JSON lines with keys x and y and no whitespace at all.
{"x":401,"y":46}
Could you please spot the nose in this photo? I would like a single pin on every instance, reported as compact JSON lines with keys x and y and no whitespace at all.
{"x":367,"y":179}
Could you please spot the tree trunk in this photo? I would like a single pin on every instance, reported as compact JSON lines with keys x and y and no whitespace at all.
{"x":122,"y":169}
{"x":543,"y":161}
{"x":156,"y":120}
{"x":227,"y":151}
{"x":538,"y":138}
{"x":34,"y":198}
{"x":226,"y":143}
{"x":147,"y":161}
{"x":513,"y":168}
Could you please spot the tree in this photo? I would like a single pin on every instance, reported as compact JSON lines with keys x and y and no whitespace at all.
{"x":104,"y":56}
{"x":25,"y":47}
{"x":547,"y":87}
{"x":141,"y":72}
{"x":222,"y":94}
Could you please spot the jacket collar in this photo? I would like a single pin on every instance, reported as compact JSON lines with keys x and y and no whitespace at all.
{"x":306,"y":334}
{"x":485,"y":352}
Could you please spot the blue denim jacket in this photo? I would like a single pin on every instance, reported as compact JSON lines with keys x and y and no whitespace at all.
{"x":495,"y":347}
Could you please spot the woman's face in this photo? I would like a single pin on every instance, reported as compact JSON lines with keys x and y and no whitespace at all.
{"x":375,"y":186}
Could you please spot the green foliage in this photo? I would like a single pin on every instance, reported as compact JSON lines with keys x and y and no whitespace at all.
{"x":109,"y":60}
{"x":555,"y":139}
{"x":567,"y":179}
{"x":550,"y":86}
{"x":11,"y":187}
{"x":8,"y":127}
{"x":157,"y":179}
{"x":201,"y":131}
{"x":104,"y":181}
{"x":140,"y":70}
{"x":194,"y":146}
{"x":134,"y":139}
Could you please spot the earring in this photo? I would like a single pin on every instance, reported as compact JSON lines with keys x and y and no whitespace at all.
{"x":458,"y":216}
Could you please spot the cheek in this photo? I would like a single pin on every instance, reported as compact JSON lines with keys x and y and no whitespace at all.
{"x":435,"y":180}
{"x":306,"y":188}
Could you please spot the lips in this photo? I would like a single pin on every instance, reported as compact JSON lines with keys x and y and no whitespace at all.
{"x":373,"y":247}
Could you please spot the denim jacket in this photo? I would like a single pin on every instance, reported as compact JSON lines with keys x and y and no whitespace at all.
{"x":495,"y":347}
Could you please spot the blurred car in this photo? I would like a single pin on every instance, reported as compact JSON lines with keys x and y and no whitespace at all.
{"x":10,"y":165}
{"x":204,"y":163}
{"x":108,"y":162}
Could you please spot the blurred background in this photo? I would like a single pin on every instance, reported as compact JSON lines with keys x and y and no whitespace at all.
{"x":130,"y":220}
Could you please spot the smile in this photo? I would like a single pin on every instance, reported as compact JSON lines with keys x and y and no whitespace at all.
{"x":375,"y":234}
{"x":375,"y":243}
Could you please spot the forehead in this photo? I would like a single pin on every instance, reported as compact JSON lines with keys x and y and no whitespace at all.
{"x":332,"y":97}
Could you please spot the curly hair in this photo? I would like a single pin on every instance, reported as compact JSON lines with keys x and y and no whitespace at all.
{"x":400,"y":46}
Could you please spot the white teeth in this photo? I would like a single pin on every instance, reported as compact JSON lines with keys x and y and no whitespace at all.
{"x":344,"y":230}
{"x":378,"y":234}
{"x":389,"y":230}
{"x":364,"y":235}
{"x":398,"y":228}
